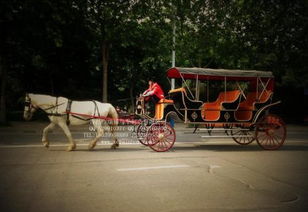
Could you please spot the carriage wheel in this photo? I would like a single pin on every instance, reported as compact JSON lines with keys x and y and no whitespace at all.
{"x":243,"y":136}
{"x":141,"y":133}
{"x":161,"y":137}
{"x":271,"y":132}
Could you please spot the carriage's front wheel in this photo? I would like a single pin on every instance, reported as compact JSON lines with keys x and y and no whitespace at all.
{"x":141,"y":133}
{"x":161,"y":137}
{"x":271,"y":132}
{"x":243,"y":136}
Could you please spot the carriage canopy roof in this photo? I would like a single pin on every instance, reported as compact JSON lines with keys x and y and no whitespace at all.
{"x":216,"y":74}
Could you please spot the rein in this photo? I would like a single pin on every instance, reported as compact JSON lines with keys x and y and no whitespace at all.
{"x":80,"y":116}
{"x":77,"y":115}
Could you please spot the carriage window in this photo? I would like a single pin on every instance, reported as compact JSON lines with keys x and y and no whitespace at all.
{"x":191,"y":84}
{"x":178,"y":83}
{"x":209,"y":90}
{"x":243,"y":85}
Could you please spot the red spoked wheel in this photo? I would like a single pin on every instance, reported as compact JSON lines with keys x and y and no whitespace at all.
{"x":161,"y":137}
{"x":142,"y":132}
{"x":271,"y":132}
{"x":243,"y":136}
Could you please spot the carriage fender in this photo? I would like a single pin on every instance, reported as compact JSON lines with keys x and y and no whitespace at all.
{"x":263,"y":109}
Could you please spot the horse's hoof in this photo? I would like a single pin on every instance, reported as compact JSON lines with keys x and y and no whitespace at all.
{"x":71,"y":148}
{"x":114,"y":146}
{"x":45,"y":144}
{"x":91,"y":146}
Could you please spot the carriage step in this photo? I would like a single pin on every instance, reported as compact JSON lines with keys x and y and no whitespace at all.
{"x":223,"y":129}
{"x":204,"y":130}
{"x":225,"y":136}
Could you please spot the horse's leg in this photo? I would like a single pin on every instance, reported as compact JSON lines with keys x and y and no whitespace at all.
{"x":99,"y":133}
{"x":45,"y":132}
{"x":115,"y":140}
{"x":68,"y":134}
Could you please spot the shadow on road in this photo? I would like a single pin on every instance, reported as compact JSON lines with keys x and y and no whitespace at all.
{"x":212,"y":147}
{"x":238,"y":148}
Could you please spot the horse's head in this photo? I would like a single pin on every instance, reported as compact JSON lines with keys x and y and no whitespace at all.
{"x":140,"y":105}
{"x":29,"y":108}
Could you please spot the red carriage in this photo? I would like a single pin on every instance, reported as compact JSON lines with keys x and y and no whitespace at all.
{"x":236,"y":102}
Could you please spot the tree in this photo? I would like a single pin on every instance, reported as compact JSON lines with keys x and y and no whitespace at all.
{"x":3,"y":78}
{"x":104,"y":18}
{"x":79,"y":48}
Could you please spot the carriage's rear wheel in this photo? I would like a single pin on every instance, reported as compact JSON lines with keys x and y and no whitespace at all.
{"x":271,"y":132}
{"x":161,"y":137}
{"x":243,"y":136}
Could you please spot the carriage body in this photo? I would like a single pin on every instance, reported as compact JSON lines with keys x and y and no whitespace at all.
{"x":239,"y":105}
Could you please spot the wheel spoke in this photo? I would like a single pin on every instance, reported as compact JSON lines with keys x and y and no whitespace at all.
{"x":169,"y":139}
{"x":238,"y":132}
{"x":277,"y":141}
{"x":278,"y":136}
{"x":242,"y":137}
{"x":272,"y":142}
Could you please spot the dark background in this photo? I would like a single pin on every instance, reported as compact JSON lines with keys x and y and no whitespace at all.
{"x":60,"y":47}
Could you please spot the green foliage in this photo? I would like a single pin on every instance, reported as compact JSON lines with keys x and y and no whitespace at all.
{"x":55,"y":46}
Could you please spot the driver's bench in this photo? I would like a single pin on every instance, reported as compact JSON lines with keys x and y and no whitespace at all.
{"x":159,"y":108}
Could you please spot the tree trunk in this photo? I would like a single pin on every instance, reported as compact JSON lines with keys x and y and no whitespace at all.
{"x":105,"y":58}
{"x":52,"y":85}
{"x":131,"y":93}
{"x":3,"y":75}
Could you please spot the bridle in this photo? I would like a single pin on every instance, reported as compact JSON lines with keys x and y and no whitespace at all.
{"x":29,"y":104}
{"x":140,"y":105}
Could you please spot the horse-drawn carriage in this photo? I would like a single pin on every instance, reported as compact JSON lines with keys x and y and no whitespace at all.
{"x":236,"y":102}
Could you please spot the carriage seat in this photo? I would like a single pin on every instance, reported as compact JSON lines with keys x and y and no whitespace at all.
{"x":160,"y":106}
{"x":244,"y":112}
{"x":178,"y":90}
{"x":211,"y":110}
{"x":180,"y":96}
{"x":165,"y":101}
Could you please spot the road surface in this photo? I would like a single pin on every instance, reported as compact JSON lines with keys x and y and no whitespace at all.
{"x":196,"y":175}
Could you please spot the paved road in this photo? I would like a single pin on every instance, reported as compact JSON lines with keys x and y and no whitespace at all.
{"x":197,"y":175}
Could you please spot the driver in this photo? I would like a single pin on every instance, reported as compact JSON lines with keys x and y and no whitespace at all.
{"x":153,"y":93}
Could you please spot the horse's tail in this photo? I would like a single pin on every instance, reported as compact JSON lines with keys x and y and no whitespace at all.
{"x":113,"y":114}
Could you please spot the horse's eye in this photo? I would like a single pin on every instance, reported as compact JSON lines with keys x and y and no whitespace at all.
{"x":27,"y":104}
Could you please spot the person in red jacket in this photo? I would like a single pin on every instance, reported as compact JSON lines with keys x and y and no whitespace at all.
{"x":154,"y":92}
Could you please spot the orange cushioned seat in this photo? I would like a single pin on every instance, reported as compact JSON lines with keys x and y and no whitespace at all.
{"x":211,"y":110}
{"x":166,"y":101}
{"x":245,"y":109}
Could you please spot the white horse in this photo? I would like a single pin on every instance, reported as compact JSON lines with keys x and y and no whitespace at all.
{"x":62,"y":112}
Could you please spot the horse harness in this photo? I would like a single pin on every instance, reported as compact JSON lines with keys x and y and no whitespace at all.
{"x":67,"y":111}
